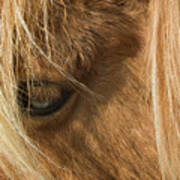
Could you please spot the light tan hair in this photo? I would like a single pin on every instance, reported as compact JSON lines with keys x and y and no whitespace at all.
{"x":19,"y":31}
{"x":163,"y":54}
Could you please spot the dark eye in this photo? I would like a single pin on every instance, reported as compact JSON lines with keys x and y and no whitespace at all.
{"x":42,"y":98}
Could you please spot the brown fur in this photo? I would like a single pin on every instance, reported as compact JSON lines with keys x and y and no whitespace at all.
{"x":108,"y":138}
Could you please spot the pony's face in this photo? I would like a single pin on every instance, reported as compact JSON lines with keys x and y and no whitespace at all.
{"x":88,"y":107}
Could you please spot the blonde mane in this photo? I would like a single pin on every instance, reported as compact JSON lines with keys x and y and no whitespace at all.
{"x":163,"y":54}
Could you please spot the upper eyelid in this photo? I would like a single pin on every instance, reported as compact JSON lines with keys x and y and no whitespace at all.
{"x":40,"y":83}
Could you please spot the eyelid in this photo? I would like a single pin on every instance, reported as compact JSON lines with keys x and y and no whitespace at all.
{"x":53,"y":107}
{"x":58,"y":102}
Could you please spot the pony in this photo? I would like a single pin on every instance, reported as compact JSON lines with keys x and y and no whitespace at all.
{"x":89,"y":89}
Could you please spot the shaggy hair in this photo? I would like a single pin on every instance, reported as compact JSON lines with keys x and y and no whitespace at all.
{"x":120,"y":57}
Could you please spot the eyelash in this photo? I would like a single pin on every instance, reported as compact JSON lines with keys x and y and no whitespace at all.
{"x":35,"y":107}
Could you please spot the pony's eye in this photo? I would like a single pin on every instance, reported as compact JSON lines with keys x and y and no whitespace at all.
{"x":42,"y":98}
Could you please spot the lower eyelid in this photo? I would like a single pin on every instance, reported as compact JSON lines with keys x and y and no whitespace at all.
{"x":55,"y":118}
{"x":47,"y":105}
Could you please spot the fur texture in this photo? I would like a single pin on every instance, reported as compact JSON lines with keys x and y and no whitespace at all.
{"x":97,"y":49}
